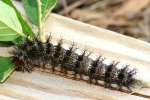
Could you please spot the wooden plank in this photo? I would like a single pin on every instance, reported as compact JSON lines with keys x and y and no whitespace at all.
{"x":114,"y":46}
{"x":110,"y":44}
{"x":45,"y":86}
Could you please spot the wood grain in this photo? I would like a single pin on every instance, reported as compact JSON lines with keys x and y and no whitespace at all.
{"x":44,"y":86}
{"x":110,"y":44}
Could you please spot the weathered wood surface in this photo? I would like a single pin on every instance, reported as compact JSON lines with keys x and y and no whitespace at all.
{"x":110,"y":44}
{"x":46,"y":86}
{"x":50,"y":87}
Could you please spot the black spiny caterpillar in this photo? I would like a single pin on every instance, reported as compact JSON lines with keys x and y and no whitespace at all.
{"x":34,"y":53}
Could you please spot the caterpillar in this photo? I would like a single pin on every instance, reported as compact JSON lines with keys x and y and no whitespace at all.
{"x":36,"y":54}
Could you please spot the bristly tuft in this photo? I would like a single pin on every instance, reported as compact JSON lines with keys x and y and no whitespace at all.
{"x":34,"y":53}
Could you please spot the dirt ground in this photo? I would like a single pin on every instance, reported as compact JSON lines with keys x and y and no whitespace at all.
{"x":128,"y":17}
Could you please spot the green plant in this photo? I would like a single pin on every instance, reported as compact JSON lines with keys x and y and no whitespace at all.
{"x":14,"y":29}
{"x":37,"y":11}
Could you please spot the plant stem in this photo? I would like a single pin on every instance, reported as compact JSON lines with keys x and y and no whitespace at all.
{"x":40,"y":33}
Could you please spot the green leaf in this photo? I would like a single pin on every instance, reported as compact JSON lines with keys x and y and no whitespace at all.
{"x":31,"y":8}
{"x":26,"y":28}
{"x":47,"y":6}
{"x":6,"y":68}
{"x":10,"y":27}
{"x":19,"y":40}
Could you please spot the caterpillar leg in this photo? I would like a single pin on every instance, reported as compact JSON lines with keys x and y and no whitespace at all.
{"x":80,"y":76}
{"x":120,"y":88}
{"x":90,"y":78}
{"x":96,"y":82}
{"x":29,"y":68}
{"x":75,"y":75}
{"x":107,"y":85}
{"x":53,"y":68}
{"x":65,"y":72}
{"x":129,"y":89}
{"x":61,"y":69}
